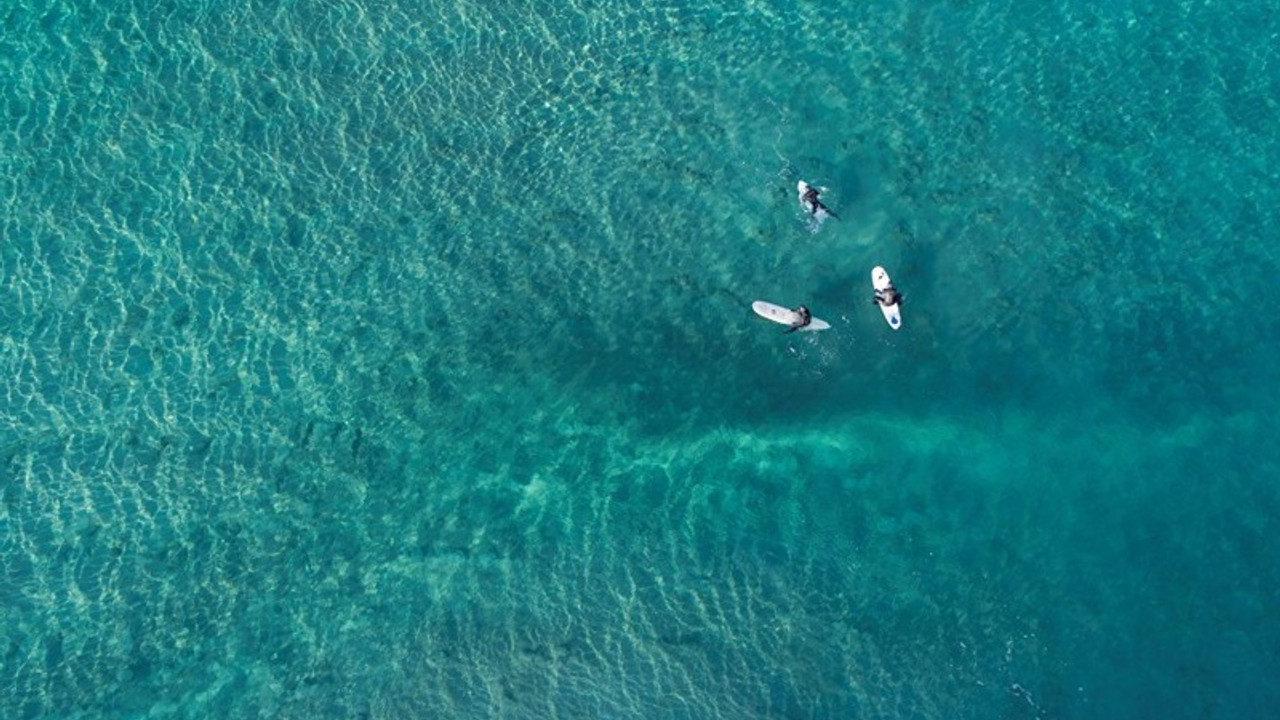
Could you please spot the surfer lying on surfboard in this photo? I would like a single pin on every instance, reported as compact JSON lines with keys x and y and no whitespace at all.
{"x":809,"y":200}
{"x":805,"y":317}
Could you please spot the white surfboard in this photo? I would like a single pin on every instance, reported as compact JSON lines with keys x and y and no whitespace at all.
{"x":880,"y":281}
{"x":802,"y":187}
{"x":787,"y":316}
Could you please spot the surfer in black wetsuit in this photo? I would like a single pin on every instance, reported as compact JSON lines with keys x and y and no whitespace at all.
{"x":887,"y":297}
{"x":805,"y":318}
{"x":811,"y":201}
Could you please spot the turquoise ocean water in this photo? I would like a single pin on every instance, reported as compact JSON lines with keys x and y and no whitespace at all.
{"x":387,"y":360}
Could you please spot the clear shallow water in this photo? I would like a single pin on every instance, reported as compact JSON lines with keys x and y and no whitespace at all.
{"x":385,"y":360}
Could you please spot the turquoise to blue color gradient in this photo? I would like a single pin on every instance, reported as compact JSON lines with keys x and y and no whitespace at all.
{"x":382,"y":359}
